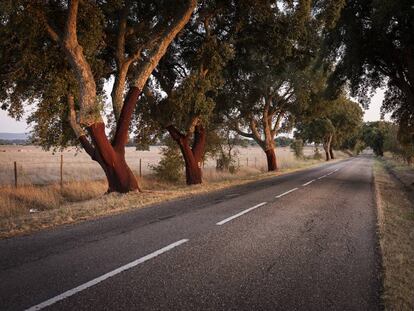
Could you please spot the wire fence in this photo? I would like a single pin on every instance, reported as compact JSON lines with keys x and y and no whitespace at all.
{"x":60,"y":170}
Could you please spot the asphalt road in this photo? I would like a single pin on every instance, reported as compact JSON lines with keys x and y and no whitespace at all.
{"x":302,"y":241}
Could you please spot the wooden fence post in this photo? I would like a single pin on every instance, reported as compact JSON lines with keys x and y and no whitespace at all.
{"x":61,"y":171}
{"x":255,"y":162}
{"x":140,"y":167}
{"x":238,"y":162}
{"x":247,"y":162}
{"x":15,"y":174}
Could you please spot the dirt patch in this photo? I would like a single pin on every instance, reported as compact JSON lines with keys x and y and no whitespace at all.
{"x":396,"y":226}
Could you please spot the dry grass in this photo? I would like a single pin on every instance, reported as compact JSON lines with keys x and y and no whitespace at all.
{"x":38,"y":167}
{"x":84,"y":199}
{"x":396,"y":226}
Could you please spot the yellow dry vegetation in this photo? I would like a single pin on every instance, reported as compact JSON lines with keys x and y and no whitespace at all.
{"x":32,"y":207}
{"x":396,"y":230}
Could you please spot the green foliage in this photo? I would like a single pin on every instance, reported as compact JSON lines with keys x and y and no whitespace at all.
{"x":403,"y":149}
{"x":186,"y":81}
{"x":372,"y":46}
{"x":315,"y":130}
{"x":385,"y":136}
{"x":341,"y":118}
{"x":34,"y":70}
{"x":283,"y":141}
{"x":170,"y":167}
{"x":222,"y":144}
{"x":374,"y":134}
{"x":297,"y":148}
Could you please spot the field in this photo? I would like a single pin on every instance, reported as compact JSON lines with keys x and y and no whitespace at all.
{"x":39,"y":201}
{"x":38,"y":167}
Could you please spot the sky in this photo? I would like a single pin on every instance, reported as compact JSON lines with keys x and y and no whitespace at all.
{"x":10,"y":125}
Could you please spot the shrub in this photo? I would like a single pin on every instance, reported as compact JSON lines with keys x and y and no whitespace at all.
{"x":297,"y":148}
{"x":317,"y":155}
{"x":170,"y":168}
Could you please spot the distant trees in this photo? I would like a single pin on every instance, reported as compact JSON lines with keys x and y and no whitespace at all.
{"x":373,"y":134}
{"x":331,"y":123}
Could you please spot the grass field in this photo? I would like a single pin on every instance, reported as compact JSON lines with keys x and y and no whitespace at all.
{"x":39,"y":201}
{"x":38,"y":167}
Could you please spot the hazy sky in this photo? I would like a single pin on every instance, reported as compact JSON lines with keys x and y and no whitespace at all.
{"x":10,"y":125}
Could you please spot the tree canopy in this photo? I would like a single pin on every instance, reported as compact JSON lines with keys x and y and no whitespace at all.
{"x":372,"y":46}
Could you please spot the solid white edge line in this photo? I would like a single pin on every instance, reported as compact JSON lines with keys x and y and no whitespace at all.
{"x":108,"y":275}
{"x":285,"y":193}
{"x":308,"y":183}
{"x":240,"y":214}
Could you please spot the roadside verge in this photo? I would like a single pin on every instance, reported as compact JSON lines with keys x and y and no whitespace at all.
{"x":396,"y":232}
{"x":114,"y":203}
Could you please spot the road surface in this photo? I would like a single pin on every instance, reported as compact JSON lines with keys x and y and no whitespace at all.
{"x":301,"y":241}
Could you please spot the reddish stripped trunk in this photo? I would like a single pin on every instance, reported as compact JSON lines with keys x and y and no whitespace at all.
{"x":271,"y":160}
{"x":193,"y":174}
{"x":111,"y":157}
{"x":192,"y":155}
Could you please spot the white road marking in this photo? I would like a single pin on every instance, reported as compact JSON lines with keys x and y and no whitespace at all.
{"x":285,"y":193}
{"x":308,"y":183}
{"x":322,"y":177}
{"x":240,"y":214}
{"x":336,"y":170}
{"x":102,"y":278}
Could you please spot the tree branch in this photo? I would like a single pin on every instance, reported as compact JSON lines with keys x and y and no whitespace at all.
{"x":79,"y":132}
{"x":148,"y":65}
{"x":122,"y":127}
{"x":175,"y":134}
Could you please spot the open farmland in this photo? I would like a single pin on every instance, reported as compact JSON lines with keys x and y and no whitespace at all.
{"x":38,"y":167}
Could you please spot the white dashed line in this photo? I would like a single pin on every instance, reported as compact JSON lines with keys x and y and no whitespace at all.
{"x":285,"y":193}
{"x":102,"y":278}
{"x":240,"y":214}
{"x":308,"y":183}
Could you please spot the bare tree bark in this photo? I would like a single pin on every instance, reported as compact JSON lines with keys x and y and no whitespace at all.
{"x":192,"y":155}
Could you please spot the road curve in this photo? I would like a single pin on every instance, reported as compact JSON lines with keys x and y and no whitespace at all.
{"x":302,"y":241}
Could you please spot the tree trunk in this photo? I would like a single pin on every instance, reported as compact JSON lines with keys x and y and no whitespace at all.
{"x":331,"y":153}
{"x":327,"y":155}
{"x":271,"y":160}
{"x":193,"y":174}
{"x":327,"y":147}
{"x":112,"y":160}
{"x":192,"y":155}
